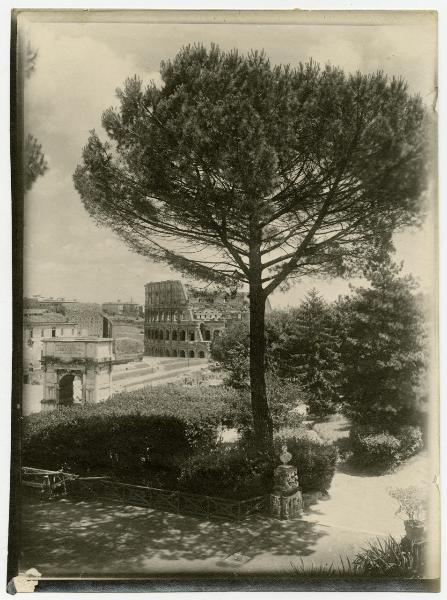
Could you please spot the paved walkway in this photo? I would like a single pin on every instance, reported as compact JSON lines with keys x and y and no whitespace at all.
{"x":362,"y":502}
{"x":100,"y":538}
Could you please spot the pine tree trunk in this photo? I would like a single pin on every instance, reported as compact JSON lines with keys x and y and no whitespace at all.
{"x":262,"y":420}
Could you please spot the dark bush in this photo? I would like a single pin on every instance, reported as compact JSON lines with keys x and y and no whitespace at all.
{"x":377,"y":451}
{"x":314,"y":459}
{"x":382,"y":451}
{"x":411,"y":441}
{"x":131,"y":434}
{"x":227,"y":473}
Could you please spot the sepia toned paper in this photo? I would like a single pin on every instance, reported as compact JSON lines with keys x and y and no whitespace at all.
{"x":80,"y":59}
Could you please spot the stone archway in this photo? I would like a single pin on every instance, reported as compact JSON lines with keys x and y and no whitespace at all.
{"x":77,"y":371}
{"x":66,"y":389}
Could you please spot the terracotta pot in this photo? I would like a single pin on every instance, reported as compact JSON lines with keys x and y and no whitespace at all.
{"x":414,"y":530}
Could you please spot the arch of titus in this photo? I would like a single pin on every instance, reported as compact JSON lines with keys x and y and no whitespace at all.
{"x":76,"y":370}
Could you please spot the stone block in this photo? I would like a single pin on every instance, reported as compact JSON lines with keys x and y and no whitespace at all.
{"x":286,"y":506}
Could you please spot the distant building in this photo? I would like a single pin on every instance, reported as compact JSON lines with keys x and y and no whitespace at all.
{"x":54,"y":318}
{"x":128,"y":309}
{"x":38,"y":326}
{"x":53,"y":304}
{"x":88,"y":315}
{"x":128,"y":332}
{"x":181,"y":320}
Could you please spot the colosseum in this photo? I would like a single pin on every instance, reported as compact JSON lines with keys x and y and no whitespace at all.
{"x":182,"y":321}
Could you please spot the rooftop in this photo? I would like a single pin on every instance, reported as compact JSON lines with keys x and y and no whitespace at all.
{"x":46,"y":317}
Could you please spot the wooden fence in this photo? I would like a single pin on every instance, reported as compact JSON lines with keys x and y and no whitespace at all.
{"x":53,"y":484}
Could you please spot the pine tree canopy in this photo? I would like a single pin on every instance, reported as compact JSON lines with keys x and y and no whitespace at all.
{"x":234,"y":161}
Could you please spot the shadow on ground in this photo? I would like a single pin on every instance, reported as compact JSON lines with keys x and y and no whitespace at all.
{"x":90,"y":538}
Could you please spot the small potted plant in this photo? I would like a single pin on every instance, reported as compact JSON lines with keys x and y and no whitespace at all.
{"x":412,"y":503}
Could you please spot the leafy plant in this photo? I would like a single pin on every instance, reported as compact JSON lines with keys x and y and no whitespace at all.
{"x":387,"y":558}
{"x":412,"y":501}
{"x":232,"y":351}
{"x":379,"y":451}
{"x":411,"y":441}
{"x":382,"y":450}
{"x":324,"y":570}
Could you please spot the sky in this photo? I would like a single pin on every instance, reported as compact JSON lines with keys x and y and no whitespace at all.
{"x":78,"y":69}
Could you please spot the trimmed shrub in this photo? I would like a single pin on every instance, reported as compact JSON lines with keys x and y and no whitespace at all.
{"x":227,"y":473}
{"x":314,"y":459}
{"x":381,"y":450}
{"x":129,"y":435}
{"x":372,"y":450}
{"x":411,"y":441}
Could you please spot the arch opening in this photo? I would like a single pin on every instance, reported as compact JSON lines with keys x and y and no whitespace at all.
{"x":66,"y":389}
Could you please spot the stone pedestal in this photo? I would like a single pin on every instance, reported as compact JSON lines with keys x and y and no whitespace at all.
{"x":286,"y":500}
{"x":286,"y":507}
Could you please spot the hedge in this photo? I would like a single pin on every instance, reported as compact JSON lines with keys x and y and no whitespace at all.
{"x":381,"y":450}
{"x":228,"y":473}
{"x":133,"y":434}
{"x":168,"y":437}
